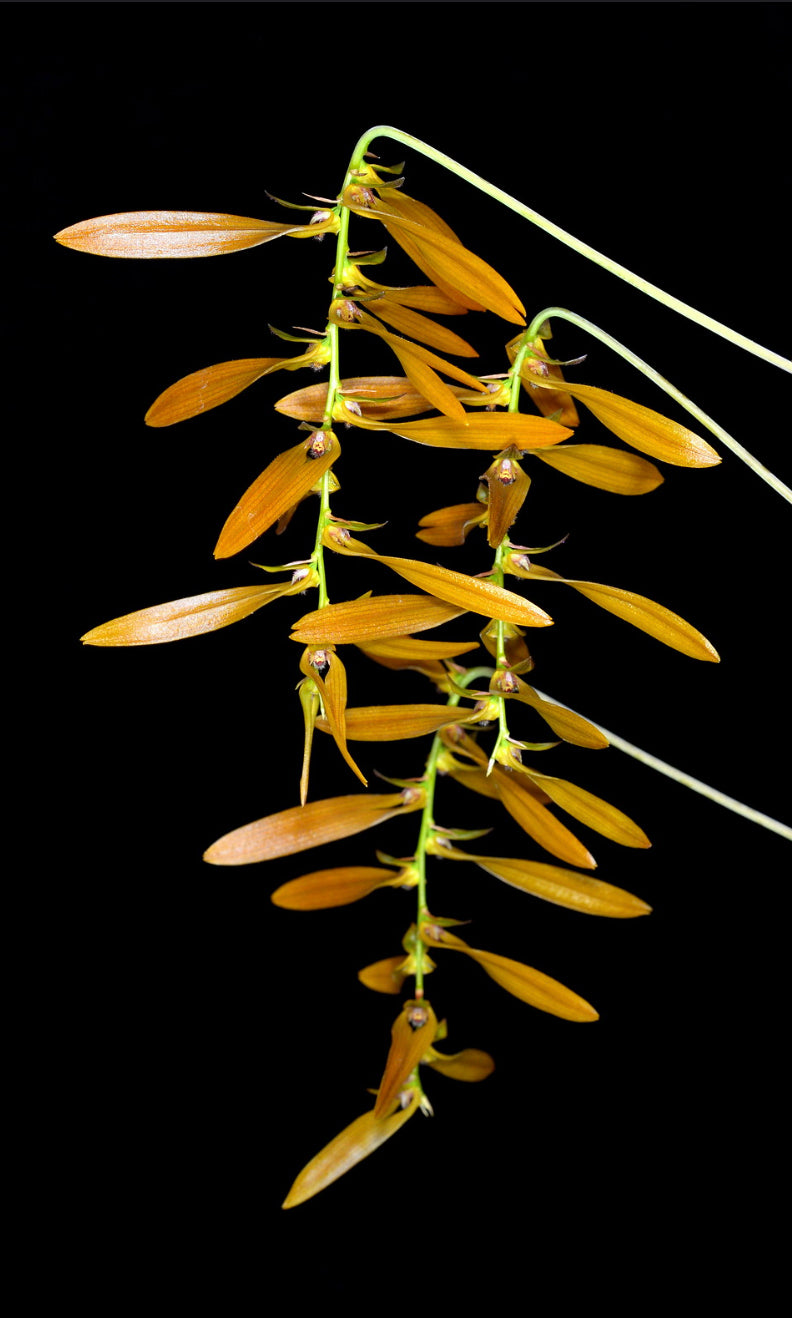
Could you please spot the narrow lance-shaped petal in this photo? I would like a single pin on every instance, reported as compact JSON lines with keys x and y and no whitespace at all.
{"x":479,"y":430}
{"x":161,"y":234}
{"x":213,"y":385}
{"x":553,"y":883}
{"x":282,"y":484}
{"x":334,"y":887}
{"x":354,"y":1144}
{"x":590,"y":809}
{"x":645,"y":429}
{"x":605,"y":468}
{"x":471,"y":593}
{"x":419,"y":327}
{"x":643,"y":613}
{"x":525,"y":983}
{"x":538,"y":822}
{"x":378,"y":396}
{"x":312,"y":825}
{"x":563,"y":887}
{"x":395,"y":722}
{"x":412,"y":1035}
{"x":194,"y":615}
{"x":405,"y":651}
{"x":360,"y":621}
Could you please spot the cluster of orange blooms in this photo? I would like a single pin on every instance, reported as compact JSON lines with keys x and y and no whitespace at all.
{"x":472,"y":412}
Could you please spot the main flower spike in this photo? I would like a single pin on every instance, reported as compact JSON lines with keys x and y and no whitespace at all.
{"x":467,"y":728}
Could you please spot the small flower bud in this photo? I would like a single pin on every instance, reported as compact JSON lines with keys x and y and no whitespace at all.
{"x":505,"y":683}
{"x":417,"y":1015}
{"x":344,"y":312}
{"x":321,"y":443}
{"x":319,"y":659}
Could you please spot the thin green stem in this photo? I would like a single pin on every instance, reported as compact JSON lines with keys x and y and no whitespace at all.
{"x":591,"y":254}
{"x":723,"y":435}
{"x":679,"y":775}
{"x":427,"y":824}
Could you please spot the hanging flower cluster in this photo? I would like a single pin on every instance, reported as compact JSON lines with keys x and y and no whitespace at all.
{"x":436,"y":402}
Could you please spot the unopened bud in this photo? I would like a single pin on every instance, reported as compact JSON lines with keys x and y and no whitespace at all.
{"x":505,"y":682}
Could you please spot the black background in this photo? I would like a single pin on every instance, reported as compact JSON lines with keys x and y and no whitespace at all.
{"x":200,"y":1045}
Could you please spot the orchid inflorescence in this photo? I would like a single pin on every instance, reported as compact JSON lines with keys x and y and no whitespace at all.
{"x":474,"y":411}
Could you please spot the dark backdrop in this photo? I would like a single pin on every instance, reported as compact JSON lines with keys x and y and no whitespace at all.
{"x":201,"y":1045}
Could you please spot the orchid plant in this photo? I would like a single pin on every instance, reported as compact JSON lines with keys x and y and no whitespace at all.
{"x":480,"y":734}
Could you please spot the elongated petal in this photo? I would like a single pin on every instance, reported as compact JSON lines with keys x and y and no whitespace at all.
{"x":404,"y":652}
{"x":576,"y":729}
{"x":431,"y":358}
{"x":604,"y":468}
{"x":525,"y":983}
{"x":471,"y":593}
{"x":563,"y":887}
{"x":354,"y":1144}
{"x":424,"y":263}
{"x":312,"y":825}
{"x":210,"y":387}
{"x":363,"y":620}
{"x":385,"y":976}
{"x":644,"y":429}
{"x":426,"y":297}
{"x":283,"y":483}
{"x":395,"y":722}
{"x":419,"y":327}
{"x":474,"y":779}
{"x":379,"y":397}
{"x":591,"y":810}
{"x":479,"y":430}
{"x":643,"y":613}
{"x":187,"y":617}
{"x":412,"y":1035}
{"x":537,"y":821}
{"x":471,"y":1064}
{"x":336,"y":887}
{"x":161,"y":234}
{"x":426,"y":381}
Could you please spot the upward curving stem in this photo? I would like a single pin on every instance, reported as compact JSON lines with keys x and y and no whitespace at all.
{"x":591,"y":254}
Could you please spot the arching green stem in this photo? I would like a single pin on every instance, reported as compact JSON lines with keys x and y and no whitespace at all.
{"x":686,"y":779}
{"x":591,"y":254}
{"x":562,"y":313}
